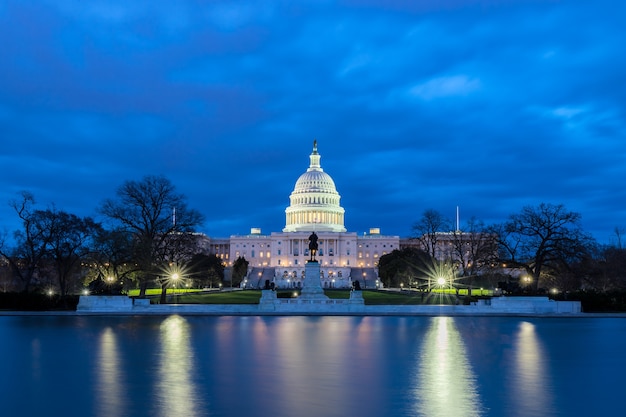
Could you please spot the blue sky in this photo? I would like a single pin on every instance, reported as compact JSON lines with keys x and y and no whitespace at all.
{"x":486,"y":105}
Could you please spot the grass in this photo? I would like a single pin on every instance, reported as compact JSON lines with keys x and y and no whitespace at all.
{"x":371,"y":297}
{"x":157,"y":291}
{"x":407,"y":298}
{"x":218,"y":297}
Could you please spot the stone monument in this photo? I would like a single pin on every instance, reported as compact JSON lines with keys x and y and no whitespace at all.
{"x":312,"y":287}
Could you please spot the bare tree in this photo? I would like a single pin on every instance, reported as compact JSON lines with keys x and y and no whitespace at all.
{"x":542,"y":240}
{"x":71,"y":240}
{"x":111,"y":260}
{"x":475,"y":249}
{"x":619,"y":234}
{"x":428,"y":228}
{"x":156,"y":217}
{"x":27,"y":256}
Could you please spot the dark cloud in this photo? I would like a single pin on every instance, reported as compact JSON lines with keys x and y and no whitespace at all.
{"x":483,"y":104}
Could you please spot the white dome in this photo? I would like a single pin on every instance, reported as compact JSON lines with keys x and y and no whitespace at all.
{"x":315,"y":181}
{"x":314,"y":202}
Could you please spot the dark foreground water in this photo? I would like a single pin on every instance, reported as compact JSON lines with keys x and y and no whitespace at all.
{"x":311,"y":366}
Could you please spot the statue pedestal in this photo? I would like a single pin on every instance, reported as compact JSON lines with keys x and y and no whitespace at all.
{"x":312,"y":288}
{"x":268,"y":300}
{"x":356,"y":297}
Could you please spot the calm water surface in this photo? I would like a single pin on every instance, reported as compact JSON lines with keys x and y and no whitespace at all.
{"x":311,"y":366}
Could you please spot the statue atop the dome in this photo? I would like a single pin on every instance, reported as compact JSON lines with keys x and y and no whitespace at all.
{"x":313,"y":246}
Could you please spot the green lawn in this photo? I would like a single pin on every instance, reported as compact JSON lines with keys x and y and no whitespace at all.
{"x":218,"y":297}
{"x":157,"y":291}
{"x":371,"y":297}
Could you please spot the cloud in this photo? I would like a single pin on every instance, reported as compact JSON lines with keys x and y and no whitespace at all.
{"x":441,"y":87}
{"x":486,"y":105}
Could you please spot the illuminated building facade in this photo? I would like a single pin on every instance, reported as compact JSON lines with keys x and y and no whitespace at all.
{"x":280,"y":257}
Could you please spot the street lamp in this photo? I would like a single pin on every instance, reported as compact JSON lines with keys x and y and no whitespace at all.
{"x":364,"y":279}
{"x":174,"y":278}
{"x":441,"y":281}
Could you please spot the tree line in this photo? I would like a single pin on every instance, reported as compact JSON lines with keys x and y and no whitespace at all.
{"x":146,"y":237}
{"x":540,"y":249}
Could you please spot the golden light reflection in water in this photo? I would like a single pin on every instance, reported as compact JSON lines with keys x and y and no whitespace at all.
{"x":446,"y":385}
{"x":110,"y":391}
{"x":314,"y":365}
{"x":533,"y":390}
{"x":176,"y":389}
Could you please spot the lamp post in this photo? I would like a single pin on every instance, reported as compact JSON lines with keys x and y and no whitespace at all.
{"x":441,"y":281}
{"x":174,"y":279}
{"x":364,"y":280}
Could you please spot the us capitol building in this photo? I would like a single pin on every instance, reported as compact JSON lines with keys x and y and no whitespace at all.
{"x":314,"y":205}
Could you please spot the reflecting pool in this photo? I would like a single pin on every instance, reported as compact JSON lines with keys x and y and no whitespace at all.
{"x":311,"y":366}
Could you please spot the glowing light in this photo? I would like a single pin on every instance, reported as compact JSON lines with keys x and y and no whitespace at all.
{"x":445,"y":373}
{"x":441,"y":281}
{"x":176,"y":388}
{"x":530,"y":363}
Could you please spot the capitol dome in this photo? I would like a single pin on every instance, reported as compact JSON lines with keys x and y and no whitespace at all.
{"x":314,"y":202}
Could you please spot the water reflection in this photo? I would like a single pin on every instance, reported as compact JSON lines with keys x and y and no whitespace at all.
{"x":532,"y":392}
{"x":36,"y":360}
{"x":176,"y":389}
{"x":446,"y":384}
{"x":110,"y":389}
{"x":314,"y":355}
